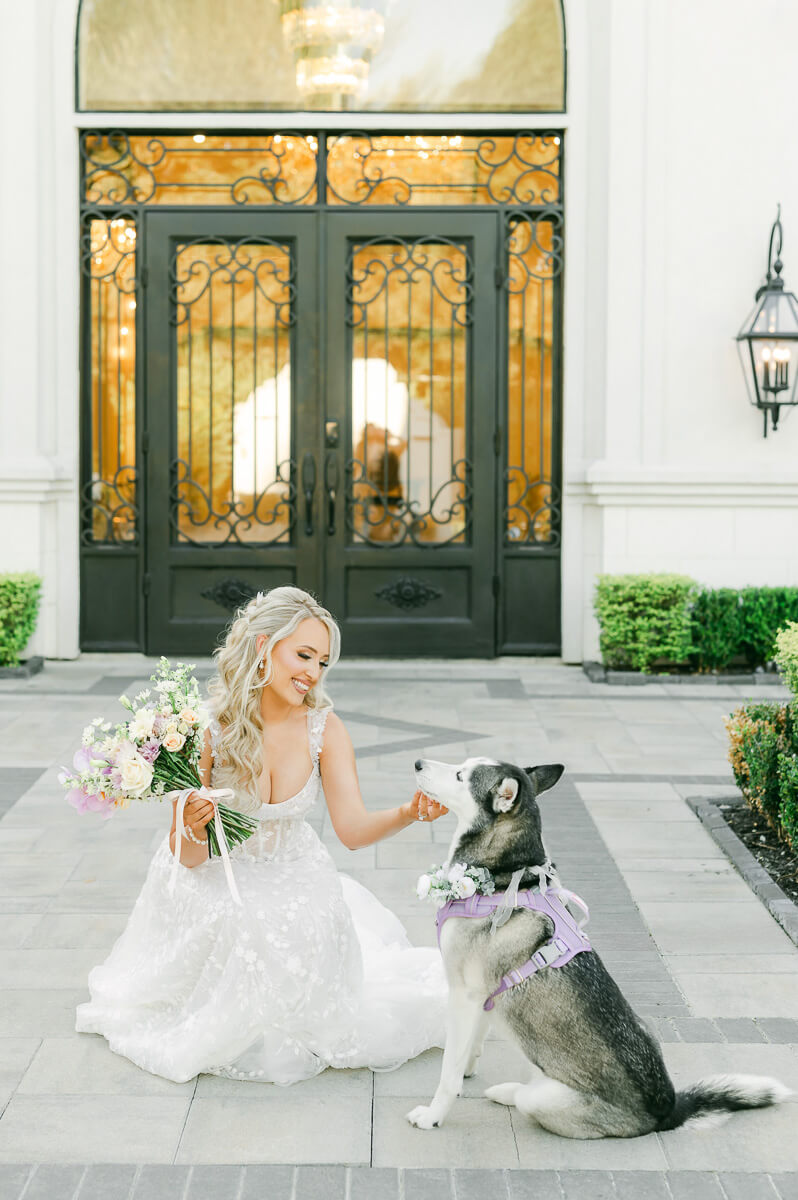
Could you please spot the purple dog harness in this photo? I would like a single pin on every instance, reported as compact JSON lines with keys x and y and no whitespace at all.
{"x":567,"y":941}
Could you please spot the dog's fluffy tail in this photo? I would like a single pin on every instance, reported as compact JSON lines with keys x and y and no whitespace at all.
{"x":720,"y":1095}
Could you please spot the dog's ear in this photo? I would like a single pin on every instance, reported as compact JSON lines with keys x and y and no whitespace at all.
{"x":504,"y":795}
{"x":544,"y":777}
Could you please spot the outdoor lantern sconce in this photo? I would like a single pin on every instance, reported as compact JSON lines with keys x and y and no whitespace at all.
{"x":768,"y":341}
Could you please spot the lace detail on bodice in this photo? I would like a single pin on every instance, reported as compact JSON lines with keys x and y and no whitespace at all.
{"x":284,"y":833}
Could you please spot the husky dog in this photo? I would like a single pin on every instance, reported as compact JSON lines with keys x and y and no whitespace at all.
{"x":597,"y":1071}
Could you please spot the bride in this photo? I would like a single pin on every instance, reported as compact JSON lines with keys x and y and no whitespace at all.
{"x":310,"y":971}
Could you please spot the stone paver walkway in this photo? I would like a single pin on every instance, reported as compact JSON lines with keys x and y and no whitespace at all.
{"x":691,"y":947}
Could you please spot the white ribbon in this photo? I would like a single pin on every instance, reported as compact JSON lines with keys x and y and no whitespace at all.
{"x":212,"y":794}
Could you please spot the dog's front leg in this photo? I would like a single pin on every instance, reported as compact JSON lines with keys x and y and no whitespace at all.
{"x":463,"y":1023}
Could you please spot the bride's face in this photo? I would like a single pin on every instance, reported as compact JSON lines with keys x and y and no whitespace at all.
{"x":299,"y":660}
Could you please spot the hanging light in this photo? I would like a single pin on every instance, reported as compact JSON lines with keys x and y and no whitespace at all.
{"x":332,"y":42}
{"x":768,"y":341}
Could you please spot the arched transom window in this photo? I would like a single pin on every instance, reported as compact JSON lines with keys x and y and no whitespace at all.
{"x":321,"y":55}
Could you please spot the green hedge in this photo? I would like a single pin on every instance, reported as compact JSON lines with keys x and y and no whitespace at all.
{"x":643,"y":619}
{"x":19,"y":608}
{"x":763,"y":747}
{"x":668,"y":620}
{"x":730,"y":626}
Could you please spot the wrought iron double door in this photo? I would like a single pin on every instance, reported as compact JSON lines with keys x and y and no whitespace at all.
{"x":320,"y":410}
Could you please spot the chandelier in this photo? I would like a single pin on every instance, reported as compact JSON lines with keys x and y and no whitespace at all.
{"x":332,"y":42}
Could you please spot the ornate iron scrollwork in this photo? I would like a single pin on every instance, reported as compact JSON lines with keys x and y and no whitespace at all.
{"x":396,"y":169}
{"x":407,"y":592}
{"x":192,"y":509}
{"x":406,"y":481}
{"x":122,"y":168}
{"x":109,"y":514}
{"x":231,"y":593}
{"x":534,"y":246}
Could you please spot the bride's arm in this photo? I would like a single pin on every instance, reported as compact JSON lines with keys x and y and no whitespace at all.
{"x":196,"y":815}
{"x":352,"y":822}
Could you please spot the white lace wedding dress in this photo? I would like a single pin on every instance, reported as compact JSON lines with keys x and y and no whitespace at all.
{"x":310,"y":972}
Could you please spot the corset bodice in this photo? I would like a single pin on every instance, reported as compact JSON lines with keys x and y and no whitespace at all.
{"x":283,"y":831}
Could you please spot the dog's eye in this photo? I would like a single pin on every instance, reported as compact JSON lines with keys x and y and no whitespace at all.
{"x":459,"y":776}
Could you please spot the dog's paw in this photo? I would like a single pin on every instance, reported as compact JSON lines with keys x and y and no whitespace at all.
{"x":421,"y":1117}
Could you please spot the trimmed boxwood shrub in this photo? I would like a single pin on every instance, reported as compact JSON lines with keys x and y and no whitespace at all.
{"x":763,"y":747}
{"x":644,"y":619}
{"x":19,"y":608}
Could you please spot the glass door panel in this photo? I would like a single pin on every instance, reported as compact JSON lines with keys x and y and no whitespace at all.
{"x":233,"y":313}
{"x":232,"y":420}
{"x":410,"y":314}
{"x":411,"y":386}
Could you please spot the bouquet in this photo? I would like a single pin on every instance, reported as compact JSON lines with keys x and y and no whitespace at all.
{"x":456,"y":882}
{"x":154,"y":753}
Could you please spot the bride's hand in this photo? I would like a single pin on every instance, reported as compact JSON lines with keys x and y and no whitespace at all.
{"x":424,"y":808}
{"x":198,"y":811}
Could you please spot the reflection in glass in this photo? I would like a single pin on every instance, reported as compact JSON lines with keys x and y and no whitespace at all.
{"x":409,"y":314}
{"x":449,"y":56}
{"x":428,"y":168}
{"x":233,"y":310}
{"x":108,"y":261}
{"x":531,"y":513}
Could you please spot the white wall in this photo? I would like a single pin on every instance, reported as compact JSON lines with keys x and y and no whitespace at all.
{"x":38,"y":319}
{"x":699,"y":152}
{"x":679,"y":146}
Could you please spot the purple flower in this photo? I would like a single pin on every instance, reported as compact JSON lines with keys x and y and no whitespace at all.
{"x":149,"y":750}
{"x":78,"y":799}
{"x":82,"y":759}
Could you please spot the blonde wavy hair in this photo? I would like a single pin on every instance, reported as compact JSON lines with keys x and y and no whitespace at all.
{"x":236,"y":687}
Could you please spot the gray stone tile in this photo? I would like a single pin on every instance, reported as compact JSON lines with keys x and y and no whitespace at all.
{"x":107,"y":1181}
{"x":425,"y":1184}
{"x":640,"y":1185}
{"x":533,"y":1185}
{"x":84,"y":1064}
{"x":696,"y":1029}
{"x":779,"y":1029}
{"x":279,"y":1127}
{"x":160,"y":1182}
{"x":587,"y":1185}
{"x":747,"y":1187}
{"x":91,"y":1129}
{"x":373,"y":1183}
{"x":263,"y":1182}
{"x":52,"y":1180}
{"x":740,"y":1029}
{"x":695,"y":1185}
{"x":321,"y":1183}
{"x":13,"y":1177}
{"x":786,"y":1185}
{"x":476,"y":1134}
{"x":539,"y":1148}
{"x":479,"y":1185}
{"x":214,"y":1182}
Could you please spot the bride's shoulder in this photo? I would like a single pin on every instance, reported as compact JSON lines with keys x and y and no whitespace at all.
{"x":332,"y":730}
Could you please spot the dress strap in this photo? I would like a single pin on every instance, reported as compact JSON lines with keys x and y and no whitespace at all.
{"x":317,"y":719}
{"x":215,"y":730}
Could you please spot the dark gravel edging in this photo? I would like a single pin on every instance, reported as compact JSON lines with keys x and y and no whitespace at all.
{"x":30,"y":666}
{"x":598,"y":673}
{"x":777,"y":902}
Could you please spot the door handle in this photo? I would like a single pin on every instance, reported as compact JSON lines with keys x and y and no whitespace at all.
{"x":308,"y":487}
{"x":331,"y":485}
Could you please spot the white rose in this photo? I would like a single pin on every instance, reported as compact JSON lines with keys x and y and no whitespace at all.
{"x":456,"y":871}
{"x":141,"y":725}
{"x":464,"y":888}
{"x":173,"y":741}
{"x":423,"y":886}
{"x":136,"y":774}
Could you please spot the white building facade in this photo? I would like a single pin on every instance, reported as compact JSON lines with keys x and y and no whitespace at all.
{"x":676,"y":150}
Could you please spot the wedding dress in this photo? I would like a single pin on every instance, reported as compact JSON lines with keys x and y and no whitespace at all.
{"x":311,"y":971}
